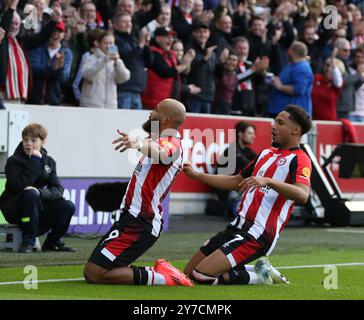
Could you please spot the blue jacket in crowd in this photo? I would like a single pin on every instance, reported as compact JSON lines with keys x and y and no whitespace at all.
{"x":47,"y":83}
{"x":300,"y":76}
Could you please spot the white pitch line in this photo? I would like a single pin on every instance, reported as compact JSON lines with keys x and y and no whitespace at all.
{"x":287,"y":267}
{"x":324,"y":265}
{"x":345,"y":231}
{"x":43,"y":281}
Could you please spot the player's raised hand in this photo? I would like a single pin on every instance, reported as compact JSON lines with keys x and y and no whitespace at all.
{"x":252,"y":183}
{"x":188,"y":170}
{"x":124,"y":142}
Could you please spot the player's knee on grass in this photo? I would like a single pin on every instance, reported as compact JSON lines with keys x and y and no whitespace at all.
{"x":203,"y":278}
{"x":93,"y":274}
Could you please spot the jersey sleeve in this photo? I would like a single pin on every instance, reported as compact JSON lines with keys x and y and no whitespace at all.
{"x":301,"y":169}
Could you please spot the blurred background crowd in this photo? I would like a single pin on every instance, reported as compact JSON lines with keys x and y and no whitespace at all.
{"x":238,"y":57}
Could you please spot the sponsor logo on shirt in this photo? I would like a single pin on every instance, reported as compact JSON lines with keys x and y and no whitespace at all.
{"x":306,"y":172}
{"x":138,"y":169}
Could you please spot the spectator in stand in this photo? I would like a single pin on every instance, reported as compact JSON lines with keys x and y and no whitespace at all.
{"x":163,"y":73}
{"x":182,"y":20}
{"x":281,"y":34}
{"x":239,"y":153}
{"x":41,"y":14}
{"x":101,"y":73}
{"x":203,"y":69}
{"x":244,"y":97}
{"x":352,"y":80}
{"x":226,"y":82}
{"x":13,"y":52}
{"x":125,"y":6}
{"x":294,"y":84}
{"x":51,"y":65}
{"x":187,"y":90}
{"x":358,"y":114}
{"x":358,"y":26}
{"x":241,"y":18}
{"x":259,"y":43}
{"x":198,"y":9}
{"x":326,"y":90}
{"x":199,"y":14}
{"x":222,"y":34}
{"x":150,"y":11}
{"x":339,"y":33}
{"x":92,"y":37}
{"x":136,"y":55}
{"x":260,"y":46}
{"x":81,"y":24}
{"x":88,"y":14}
{"x":315,"y":46}
{"x":163,"y":20}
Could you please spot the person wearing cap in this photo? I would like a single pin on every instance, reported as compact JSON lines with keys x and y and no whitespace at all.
{"x":163,"y":73}
{"x":51,"y":66}
{"x":202,"y":69}
{"x":15,"y":44}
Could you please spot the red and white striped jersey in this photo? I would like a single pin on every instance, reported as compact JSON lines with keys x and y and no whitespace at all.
{"x":263,"y":213}
{"x":150,"y":184}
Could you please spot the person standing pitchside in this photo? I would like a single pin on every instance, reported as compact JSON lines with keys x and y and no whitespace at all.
{"x":141,"y":221}
{"x":272,"y":183}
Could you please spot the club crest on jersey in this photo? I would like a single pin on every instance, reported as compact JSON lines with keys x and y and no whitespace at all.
{"x":281,"y":162}
{"x":47,"y":169}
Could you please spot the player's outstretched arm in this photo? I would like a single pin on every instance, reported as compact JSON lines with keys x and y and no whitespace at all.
{"x":147,"y":147}
{"x":297,"y":192}
{"x":215,"y":181}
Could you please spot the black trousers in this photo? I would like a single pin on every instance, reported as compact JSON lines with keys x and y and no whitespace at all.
{"x":38,"y":217}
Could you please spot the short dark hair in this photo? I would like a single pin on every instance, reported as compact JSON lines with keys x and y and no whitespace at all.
{"x":299,"y":116}
{"x":242,"y":126}
{"x":256,"y":18}
{"x":92,"y":36}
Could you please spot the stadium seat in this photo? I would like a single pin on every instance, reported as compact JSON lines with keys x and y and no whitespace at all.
{"x":13,"y":238}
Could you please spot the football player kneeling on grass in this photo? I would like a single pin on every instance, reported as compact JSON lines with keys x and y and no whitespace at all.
{"x":271,"y":184}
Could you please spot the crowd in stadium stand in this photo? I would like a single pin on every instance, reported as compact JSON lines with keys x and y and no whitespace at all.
{"x":238,"y":57}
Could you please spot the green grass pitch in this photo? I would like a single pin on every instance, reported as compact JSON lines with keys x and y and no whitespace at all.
{"x":297,"y":247}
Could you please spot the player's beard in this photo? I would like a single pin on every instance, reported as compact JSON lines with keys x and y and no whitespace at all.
{"x":147,"y":126}
{"x":275,"y":144}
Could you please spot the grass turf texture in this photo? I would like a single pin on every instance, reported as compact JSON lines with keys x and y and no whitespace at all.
{"x":303,"y":246}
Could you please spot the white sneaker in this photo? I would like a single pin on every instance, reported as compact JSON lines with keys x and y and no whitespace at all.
{"x":263,"y":273}
{"x":276,"y":276}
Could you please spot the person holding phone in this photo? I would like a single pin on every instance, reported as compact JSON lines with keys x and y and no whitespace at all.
{"x":101,"y":73}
